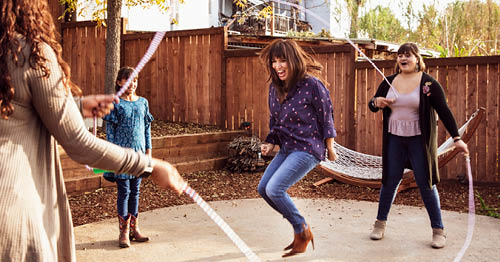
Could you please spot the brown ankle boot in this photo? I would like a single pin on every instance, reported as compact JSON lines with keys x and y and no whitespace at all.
{"x":301,"y":241}
{"x":123,"y":240}
{"x":135,"y":234}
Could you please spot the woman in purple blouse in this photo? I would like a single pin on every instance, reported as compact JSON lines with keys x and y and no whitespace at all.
{"x":301,"y":124}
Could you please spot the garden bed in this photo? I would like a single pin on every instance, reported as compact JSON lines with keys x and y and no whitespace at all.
{"x":214,"y":184}
{"x":190,"y":147}
{"x":217,"y":185}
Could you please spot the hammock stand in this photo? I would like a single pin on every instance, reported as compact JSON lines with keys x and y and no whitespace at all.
{"x":373,"y":164}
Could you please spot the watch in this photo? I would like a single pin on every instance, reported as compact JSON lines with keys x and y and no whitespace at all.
{"x":372,"y":101}
{"x":149,"y":169}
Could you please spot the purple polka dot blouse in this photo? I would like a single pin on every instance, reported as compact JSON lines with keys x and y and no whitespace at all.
{"x":304,"y":120}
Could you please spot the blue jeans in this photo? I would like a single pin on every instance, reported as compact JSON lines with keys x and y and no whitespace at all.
{"x":400,"y":150}
{"x":284,"y":171}
{"x":128,"y":196}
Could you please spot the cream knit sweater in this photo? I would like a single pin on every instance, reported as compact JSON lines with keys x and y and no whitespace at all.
{"x":35,"y":224}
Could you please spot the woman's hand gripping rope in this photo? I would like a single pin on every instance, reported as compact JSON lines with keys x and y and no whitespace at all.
{"x":97,"y":105}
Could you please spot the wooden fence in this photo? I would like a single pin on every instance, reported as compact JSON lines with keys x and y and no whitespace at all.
{"x":183,"y":80}
{"x":193,"y":77}
{"x":469,"y":83}
{"x":190,"y":58}
{"x":247,"y":88}
{"x":84,"y":50}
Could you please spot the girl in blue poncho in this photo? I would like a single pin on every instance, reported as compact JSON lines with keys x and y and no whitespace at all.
{"x":129,"y":125}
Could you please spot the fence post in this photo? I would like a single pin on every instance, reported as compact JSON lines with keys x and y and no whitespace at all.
{"x":222,"y":121}
{"x":351,"y":97}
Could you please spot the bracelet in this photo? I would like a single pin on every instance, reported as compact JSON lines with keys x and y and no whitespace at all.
{"x":456,"y":139}
{"x":149,"y":169}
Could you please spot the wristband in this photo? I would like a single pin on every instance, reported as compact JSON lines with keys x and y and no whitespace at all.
{"x":456,"y":139}
{"x":148,"y":170}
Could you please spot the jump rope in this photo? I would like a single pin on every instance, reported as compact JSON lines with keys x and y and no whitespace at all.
{"x":471,"y":217}
{"x":471,"y":220}
{"x":251,"y":256}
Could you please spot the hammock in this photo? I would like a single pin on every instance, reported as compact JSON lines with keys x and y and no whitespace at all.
{"x":360,"y":169}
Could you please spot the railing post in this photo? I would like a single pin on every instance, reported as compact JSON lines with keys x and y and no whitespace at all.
{"x":272,"y":21}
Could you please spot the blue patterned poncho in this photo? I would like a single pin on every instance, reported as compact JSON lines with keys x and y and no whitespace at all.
{"x":129,"y":125}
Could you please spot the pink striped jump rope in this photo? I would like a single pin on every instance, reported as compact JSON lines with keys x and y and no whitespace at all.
{"x":251,"y":256}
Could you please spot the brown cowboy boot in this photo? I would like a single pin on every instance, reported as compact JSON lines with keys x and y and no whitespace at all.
{"x":135,"y":234}
{"x":301,"y":241}
{"x":123,"y":240}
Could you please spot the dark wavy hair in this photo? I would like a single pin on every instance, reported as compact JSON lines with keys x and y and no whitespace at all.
{"x":124,"y":73}
{"x":33,"y":21}
{"x":300,"y":64}
{"x":411,"y":48}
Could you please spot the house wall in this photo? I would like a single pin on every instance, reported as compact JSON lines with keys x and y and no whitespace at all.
{"x":193,"y":14}
{"x":319,"y":13}
{"x":226,"y":7}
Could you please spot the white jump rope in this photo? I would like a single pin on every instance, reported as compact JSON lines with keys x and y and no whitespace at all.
{"x":471,"y":217}
{"x":251,"y":256}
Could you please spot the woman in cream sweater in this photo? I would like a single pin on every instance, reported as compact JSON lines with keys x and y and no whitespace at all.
{"x":37,"y":113}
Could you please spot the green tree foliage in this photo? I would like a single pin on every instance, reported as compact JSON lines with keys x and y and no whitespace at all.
{"x":463,"y":28}
{"x":471,"y":26}
{"x":353,"y":7}
{"x":380,"y":23}
{"x":428,"y":32}
{"x":305,"y":34}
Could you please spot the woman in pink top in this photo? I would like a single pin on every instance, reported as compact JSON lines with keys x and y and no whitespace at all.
{"x":410,"y":136}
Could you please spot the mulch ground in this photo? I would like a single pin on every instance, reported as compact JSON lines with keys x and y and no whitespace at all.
{"x":88,"y":207}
